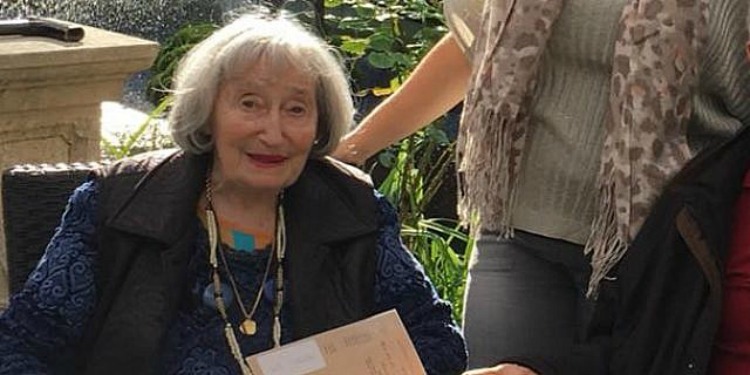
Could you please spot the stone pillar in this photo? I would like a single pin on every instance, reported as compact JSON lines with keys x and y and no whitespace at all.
{"x":51,"y":94}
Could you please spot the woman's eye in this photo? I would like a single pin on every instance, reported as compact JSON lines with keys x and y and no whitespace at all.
{"x":297,"y":110}
{"x":249,"y":102}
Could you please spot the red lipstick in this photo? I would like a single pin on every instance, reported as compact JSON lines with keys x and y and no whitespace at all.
{"x":267,"y":160}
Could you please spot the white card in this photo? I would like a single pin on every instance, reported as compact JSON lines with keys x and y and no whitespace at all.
{"x":299,"y":358}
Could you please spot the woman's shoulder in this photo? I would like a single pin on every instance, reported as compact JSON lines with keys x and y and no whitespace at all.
{"x":347,"y":171}
{"x":140,"y":163}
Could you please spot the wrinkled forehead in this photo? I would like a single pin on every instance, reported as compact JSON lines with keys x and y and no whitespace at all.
{"x":265,"y":73}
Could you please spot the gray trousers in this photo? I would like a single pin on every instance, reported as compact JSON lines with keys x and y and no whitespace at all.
{"x":525,"y":297}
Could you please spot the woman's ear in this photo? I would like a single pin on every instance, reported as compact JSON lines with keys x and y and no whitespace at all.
{"x":747,"y":50}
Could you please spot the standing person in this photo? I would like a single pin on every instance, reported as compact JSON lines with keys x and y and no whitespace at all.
{"x":678,"y":301}
{"x":249,"y":237}
{"x":576,"y":114}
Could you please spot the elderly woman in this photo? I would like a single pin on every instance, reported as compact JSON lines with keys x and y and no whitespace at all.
{"x":248,"y":238}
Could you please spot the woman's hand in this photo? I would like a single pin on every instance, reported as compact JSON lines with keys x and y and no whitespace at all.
{"x":502,"y":369}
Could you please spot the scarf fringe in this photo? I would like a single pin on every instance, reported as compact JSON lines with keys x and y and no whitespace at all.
{"x":605,"y":243}
{"x":489,"y":195}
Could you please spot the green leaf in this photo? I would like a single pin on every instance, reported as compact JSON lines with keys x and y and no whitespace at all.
{"x":381,"y":91}
{"x":403,"y":59}
{"x":332,"y":3}
{"x":386,"y":159}
{"x":381,"y":60}
{"x":354,"y":46}
{"x":365,"y":10}
{"x":437,"y":135}
{"x":381,"y":42}
{"x":395,"y":83}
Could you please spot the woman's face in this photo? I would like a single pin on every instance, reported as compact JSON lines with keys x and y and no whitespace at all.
{"x":264,"y":124}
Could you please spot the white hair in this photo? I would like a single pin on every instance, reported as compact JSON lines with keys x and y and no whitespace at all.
{"x":247,"y":40}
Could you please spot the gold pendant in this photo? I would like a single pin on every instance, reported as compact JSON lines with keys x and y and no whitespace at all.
{"x":248,"y":327}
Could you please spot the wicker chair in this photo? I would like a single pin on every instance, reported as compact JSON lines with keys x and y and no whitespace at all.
{"x":34,"y":198}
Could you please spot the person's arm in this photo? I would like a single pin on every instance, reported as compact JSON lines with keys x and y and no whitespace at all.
{"x":47,"y":317}
{"x":437,"y":84}
{"x":401,"y":283}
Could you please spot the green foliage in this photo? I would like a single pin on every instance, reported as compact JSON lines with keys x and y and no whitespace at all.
{"x":386,"y":39}
{"x":169,"y":56}
{"x":433,"y":242}
{"x":417,"y":169}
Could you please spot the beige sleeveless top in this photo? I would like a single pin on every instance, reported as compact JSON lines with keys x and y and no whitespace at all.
{"x":463,"y":19}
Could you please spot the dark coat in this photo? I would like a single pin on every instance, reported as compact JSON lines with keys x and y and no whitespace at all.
{"x":146,"y":228}
{"x":658,"y":312}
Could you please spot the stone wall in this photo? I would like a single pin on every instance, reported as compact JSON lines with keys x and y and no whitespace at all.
{"x":51,"y":94}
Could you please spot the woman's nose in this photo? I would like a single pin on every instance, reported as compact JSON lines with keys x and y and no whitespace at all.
{"x":271,"y":128}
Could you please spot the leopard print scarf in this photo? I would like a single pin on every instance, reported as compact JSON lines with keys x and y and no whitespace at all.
{"x":655,"y":71}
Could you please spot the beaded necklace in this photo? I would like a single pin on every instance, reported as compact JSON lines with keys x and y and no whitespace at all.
{"x":248,"y":326}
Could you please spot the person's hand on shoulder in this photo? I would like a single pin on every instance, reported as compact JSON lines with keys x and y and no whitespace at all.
{"x":502,"y":369}
{"x":347,"y":153}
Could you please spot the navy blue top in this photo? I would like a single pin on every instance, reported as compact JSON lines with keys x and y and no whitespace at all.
{"x":50,"y":313}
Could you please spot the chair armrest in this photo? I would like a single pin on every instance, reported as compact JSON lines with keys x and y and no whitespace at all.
{"x":34,"y":198}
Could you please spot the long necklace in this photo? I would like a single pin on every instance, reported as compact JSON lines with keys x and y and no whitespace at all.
{"x":280,"y":247}
{"x":249,"y":325}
